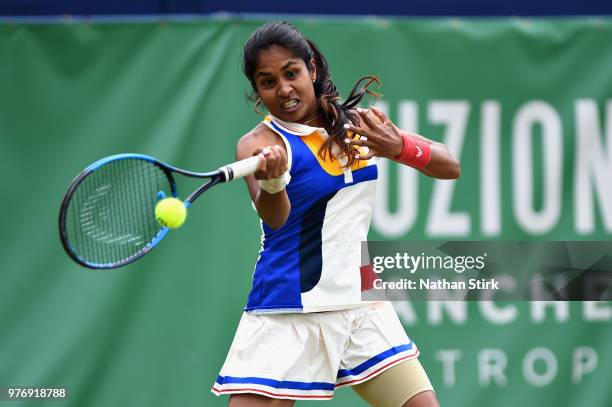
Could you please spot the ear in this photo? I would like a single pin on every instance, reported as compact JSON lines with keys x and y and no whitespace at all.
{"x":313,"y":69}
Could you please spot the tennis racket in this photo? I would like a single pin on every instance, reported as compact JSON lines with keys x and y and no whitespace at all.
{"x":107,"y":217}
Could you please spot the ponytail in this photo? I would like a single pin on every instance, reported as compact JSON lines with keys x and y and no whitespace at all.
{"x":335,"y":112}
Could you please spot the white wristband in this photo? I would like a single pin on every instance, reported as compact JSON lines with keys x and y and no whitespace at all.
{"x":275,"y":185}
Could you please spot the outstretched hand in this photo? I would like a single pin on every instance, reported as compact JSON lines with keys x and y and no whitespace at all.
{"x":380,"y":135}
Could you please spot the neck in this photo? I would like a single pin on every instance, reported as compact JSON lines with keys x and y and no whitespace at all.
{"x":313,"y":120}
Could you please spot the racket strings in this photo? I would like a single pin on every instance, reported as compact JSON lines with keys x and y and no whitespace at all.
{"x":111,"y":216}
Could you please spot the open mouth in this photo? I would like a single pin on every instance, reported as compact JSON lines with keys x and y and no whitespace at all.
{"x":290,"y":105}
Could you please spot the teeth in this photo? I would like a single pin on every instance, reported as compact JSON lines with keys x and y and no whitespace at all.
{"x":290,"y":104}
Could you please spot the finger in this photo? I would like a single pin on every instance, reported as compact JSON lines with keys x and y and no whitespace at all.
{"x":365,"y":156}
{"x":282,"y":159}
{"x":358,"y":142}
{"x":279,"y":160}
{"x":260,"y":172}
{"x":380,"y":114}
{"x":270,"y":164}
{"x":356,"y":130}
{"x":262,"y":150}
{"x":264,"y":165}
{"x":365,"y":116}
{"x":279,"y":166}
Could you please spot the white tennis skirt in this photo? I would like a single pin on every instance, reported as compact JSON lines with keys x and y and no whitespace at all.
{"x":307,"y":356}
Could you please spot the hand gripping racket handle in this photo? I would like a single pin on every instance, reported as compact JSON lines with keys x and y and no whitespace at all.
{"x":240,"y":168}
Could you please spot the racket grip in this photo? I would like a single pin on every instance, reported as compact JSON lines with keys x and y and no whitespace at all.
{"x":240,"y":168}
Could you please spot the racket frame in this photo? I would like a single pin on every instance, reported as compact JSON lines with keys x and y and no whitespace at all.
{"x":223,"y":174}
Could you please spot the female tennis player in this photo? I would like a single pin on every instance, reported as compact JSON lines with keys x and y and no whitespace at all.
{"x":305,"y":330}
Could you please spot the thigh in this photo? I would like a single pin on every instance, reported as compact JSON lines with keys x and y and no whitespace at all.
{"x":395,"y":386}
{"x":254,"y":400}
{"x":377,"y":342}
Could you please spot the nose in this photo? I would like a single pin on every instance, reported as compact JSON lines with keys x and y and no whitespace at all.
{"x":285,"y":89}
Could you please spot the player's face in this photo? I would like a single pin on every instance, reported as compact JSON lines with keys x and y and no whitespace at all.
{"x":285,"y":85}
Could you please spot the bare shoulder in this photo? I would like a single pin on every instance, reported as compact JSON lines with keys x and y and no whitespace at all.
{"x":259,"y":133}
{"x":259,"y":136}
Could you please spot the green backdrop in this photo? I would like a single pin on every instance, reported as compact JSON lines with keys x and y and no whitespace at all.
{"x":525,"y":104}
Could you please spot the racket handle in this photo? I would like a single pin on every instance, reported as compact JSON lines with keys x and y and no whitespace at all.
{"x":240,"y":168}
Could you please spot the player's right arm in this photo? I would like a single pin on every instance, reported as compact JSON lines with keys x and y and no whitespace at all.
{"x":273,"y":209}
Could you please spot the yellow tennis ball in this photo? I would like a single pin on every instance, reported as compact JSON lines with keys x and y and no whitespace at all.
{"x":170,"y":212}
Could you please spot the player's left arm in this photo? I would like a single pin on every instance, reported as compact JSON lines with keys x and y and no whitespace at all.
{"x":442,"y":164}
{"x":385,"y":139}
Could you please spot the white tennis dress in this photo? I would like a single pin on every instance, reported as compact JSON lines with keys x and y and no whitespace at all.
{"x":285,"y":346}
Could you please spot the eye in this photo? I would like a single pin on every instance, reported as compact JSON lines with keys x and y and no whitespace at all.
{"x":266,"y":82}
{"x":291,"y":74}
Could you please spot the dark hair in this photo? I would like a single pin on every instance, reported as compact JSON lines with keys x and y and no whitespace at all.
{"x":333,"y":111}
